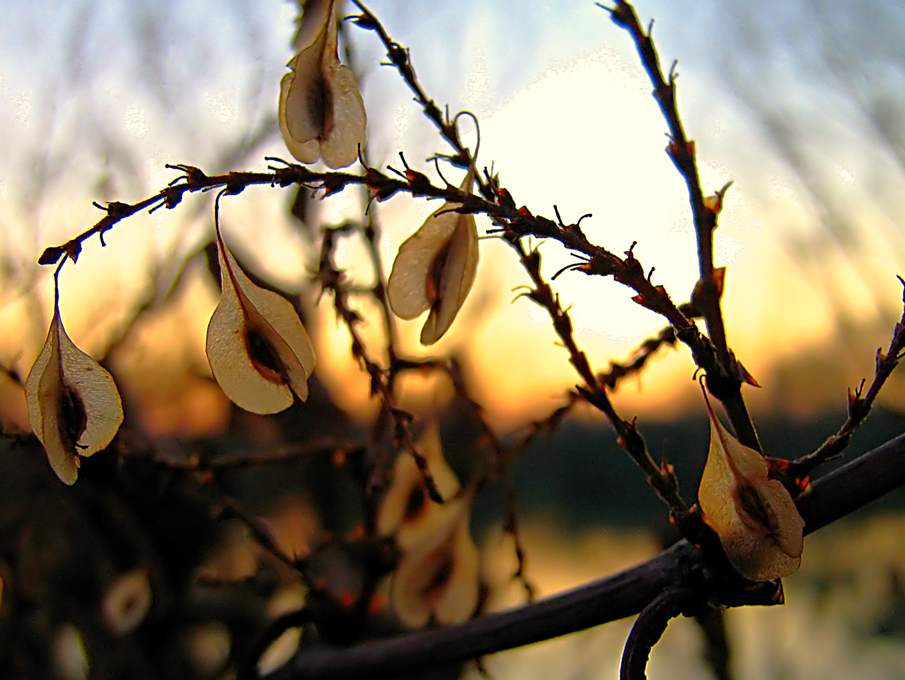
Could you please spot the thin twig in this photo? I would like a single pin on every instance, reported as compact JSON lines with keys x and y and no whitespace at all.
{"x":710,"y":285}
{"x":618,"y":371}
{"x":399,"y":58}
{"x":660,"y":477}
{"x":228,"y":507}
{"x":859,"y":405}
{"x":332,"y":279}
{"x":275,"y":454}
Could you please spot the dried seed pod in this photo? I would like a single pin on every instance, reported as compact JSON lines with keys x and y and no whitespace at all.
{"x":438,"y":574}
{"x":321,"y":112}
{"x":435,"y":270}
{"x":127,"y":602}
{"x":754,"y":516}
{"x":406,"y":509}
{"x":258,"y":349}
{"x":73,"y":405}
{"x":439,"y":579}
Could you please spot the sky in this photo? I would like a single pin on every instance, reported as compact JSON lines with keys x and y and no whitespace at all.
{"x":797,"y":102}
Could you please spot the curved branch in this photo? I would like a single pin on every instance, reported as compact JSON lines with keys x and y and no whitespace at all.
{"x":649,"y":628}
{"x":832,"y":497}
{"x":590,"y":605}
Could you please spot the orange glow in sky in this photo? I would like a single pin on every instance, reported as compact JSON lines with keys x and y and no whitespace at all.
{"x":587,"y":138}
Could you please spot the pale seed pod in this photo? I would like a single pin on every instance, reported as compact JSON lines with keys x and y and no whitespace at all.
{"x":435,"y":270}
{"x":439,"y":579}
{"x":406,"y":510}
{"x":321,"y":112}
{"x":258,"y":349}
{"x":127,"y":602}
{"x":754,"y":516}
{"x":73,"y":405}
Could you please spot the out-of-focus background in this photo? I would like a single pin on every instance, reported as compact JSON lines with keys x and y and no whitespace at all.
{"x":799,"y":103}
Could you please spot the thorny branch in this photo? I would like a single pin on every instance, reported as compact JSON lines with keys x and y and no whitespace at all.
{"x":859,"y":405}
{"x":332,"y":280}
{"x":639,"y":358}
{"x":661,"y":477}
{"x":514,"y":224}
{"x":400,"y":58}
{"x":709,"y":289}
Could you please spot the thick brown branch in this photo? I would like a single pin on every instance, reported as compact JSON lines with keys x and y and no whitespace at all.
{"x":854,"y":485}
{"x":614,"y":598}
{"x":837,"y":494}
{"x":649,"y":628}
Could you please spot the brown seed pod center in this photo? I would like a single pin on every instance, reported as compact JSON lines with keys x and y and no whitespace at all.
{"x":440,"y":578}
{"x":753,"y":509}
{"x":435,"y":272}
{"x":320,"y":104}
{"x":264,"y":358}
{"x":72,"y":418}
{"x":416,"y":502}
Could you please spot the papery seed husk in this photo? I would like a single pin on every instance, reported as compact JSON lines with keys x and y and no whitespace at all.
{"x":64,"y":372}
{"x":43,"y":387}
{"x":418,"y":594}
{"x":303,"y":121}
{"x":340,"y":141}
{"x":435,"y":269}
{"x":393,"y":516}
{"x":246,"y":308}
{"x":307,"y":151}
{"x":321,"y":112}
{"x":754,"y":516}
{"x":456,"y":279}
{"x":127,"y":601}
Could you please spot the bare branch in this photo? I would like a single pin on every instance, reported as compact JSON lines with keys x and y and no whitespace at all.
{"x":858,"y":406}
{"x":709,"y":288}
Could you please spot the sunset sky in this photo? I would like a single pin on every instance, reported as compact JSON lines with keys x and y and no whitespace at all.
{"x":96,"y":98}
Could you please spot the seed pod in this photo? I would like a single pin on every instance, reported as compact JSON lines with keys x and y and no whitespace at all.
{"x":73,"y":405}
{"x":754,"y":516}
{"x":321,"y":112}
{"x":127,"y":601}
{"x":258,"y":349}
{"x":439,"y":579}
{"x":435,"y":270}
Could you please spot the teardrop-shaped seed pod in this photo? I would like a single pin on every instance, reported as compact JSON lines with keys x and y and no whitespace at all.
{"x":74,"y":406}
{"x":435,"y":270}
{"x":321,"y":112}
{"x":754,"y":516}
{"x":258,"y":349}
